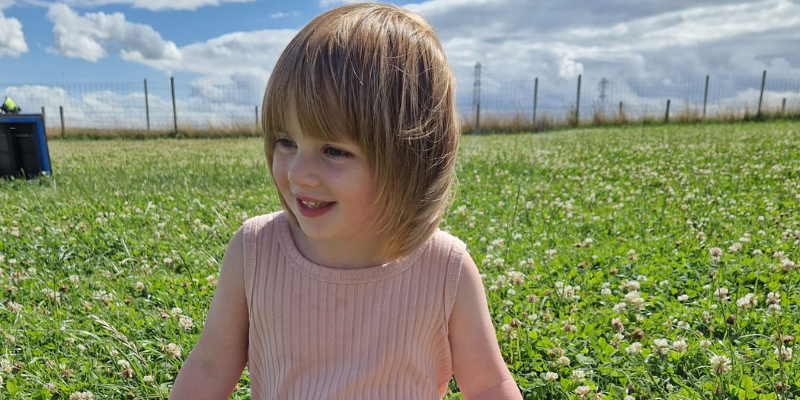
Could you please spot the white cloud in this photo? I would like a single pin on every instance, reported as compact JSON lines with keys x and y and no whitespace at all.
{"x":13,"y":40}
{"x":95,"y":35}
{"x":284,"y":14}
{"x":518,"y":38}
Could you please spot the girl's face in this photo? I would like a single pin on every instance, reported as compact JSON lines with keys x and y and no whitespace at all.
{"x":328,"y":185}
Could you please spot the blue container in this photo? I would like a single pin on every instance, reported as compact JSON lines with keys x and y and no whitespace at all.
{"x":23,"y":146}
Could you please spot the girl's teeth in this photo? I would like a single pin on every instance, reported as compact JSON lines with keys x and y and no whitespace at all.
{"x":310,"y":204}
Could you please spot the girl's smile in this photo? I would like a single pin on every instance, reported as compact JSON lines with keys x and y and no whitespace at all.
{"x":313,"y":208}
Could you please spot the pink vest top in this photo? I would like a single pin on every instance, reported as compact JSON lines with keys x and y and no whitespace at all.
{"x":334,"y":334}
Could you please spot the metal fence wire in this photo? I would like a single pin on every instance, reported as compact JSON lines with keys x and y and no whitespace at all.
{"x":165,"y":105}
{"x":491,"y":98}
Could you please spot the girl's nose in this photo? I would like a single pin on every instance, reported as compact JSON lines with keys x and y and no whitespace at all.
{"x":303,"y":171}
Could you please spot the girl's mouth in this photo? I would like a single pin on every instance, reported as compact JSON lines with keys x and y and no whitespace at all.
{"x":311,"y":209}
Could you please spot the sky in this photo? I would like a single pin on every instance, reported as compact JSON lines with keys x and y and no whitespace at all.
{"x":647,"y":50}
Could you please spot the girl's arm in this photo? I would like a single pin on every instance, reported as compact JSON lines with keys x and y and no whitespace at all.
{"x":216,"y":362}
{"x":479,"y":367}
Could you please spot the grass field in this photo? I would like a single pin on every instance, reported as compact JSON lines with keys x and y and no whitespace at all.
{"x":647,"y":261}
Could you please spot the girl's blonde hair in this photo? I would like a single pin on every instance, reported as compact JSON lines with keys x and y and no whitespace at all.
{"x":376,"y":74}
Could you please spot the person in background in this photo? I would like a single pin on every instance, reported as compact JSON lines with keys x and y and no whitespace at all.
{"x":9,"y":107}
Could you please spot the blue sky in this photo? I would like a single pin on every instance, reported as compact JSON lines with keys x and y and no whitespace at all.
{"x":213,"y":43}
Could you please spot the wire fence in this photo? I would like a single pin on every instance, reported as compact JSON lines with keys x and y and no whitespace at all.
{"x":174,"y":106}
{"x":591,"y":98}
{"x":146,"y":105}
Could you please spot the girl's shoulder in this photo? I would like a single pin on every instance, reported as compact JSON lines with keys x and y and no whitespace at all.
{"x":446,"y":239}
{"x":263,"y":222}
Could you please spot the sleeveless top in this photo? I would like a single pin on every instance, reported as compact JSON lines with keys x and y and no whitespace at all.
{"x":334,"y":334}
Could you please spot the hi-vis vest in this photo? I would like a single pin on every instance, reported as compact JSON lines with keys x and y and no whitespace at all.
{"x":9,"y":104}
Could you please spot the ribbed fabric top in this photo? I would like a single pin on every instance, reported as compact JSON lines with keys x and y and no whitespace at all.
{"x":335,"y":334}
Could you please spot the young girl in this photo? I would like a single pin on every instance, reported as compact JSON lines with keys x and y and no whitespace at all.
{"x":351,"y":292}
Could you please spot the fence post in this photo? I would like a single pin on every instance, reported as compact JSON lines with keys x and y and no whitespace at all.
{"x":476,"y":96}
{"x":578,"y":102}
{"x":44,"y":121}
{"x":666,"y":116}
{"x":146,"y":106}
{"x":174,"y":109}
{"x":705,"y":98}
{"x":63,"y":131}
{"x":256,"y":108}
{"x":761,"y":97}
{"x":535,"y":99}
{"x":783,"y":108}
{"x":620,"y":110}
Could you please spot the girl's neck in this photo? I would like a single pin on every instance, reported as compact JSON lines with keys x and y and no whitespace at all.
{"x":338,"y":254}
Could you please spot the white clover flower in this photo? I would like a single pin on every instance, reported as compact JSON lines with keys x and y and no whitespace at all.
{"x":550,"y":254}
{"x":629,"y":397}
{"x":563,"y":361}
{"x":140,"y":286}
{"x":660,"y":346}
{"x":634,"y":300}
{"x":550,"y":376}
{"x":701,"y":236}
{"x":634,"y":348}
{"x":721,"y":293}
{"x":5,"y":366}
{"x":619,"y":307}
{"x":746,"y":301}
{"x":679,"y":346}
{"x":783,"y":353}
{"x":81,"y":396}
{"x":632,"y":255}
{"x":511,"y":292}
{"x":173,"y":350}
{"x":516,"y":278}
{"x":582,"y":390}
{"x":13,"y":307}
{"x":715,"y":253}
{"x":605,"y":292}
{"x":74,"y":278}
{"x":185,"y":323}
{"x":683,"y":325}
{"x":734,"y":248}
{"x":175,"y":312}
{"x":704,"y":344}
{"x":148,"y":378}
{"x":683,"y":297}
{"x":630,"y":286}
{"x":124,"y":364}
{"x":720,"y":364}
{"x":578,"y":375}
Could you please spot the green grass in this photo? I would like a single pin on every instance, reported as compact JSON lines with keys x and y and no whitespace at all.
{"x":95,"y":261}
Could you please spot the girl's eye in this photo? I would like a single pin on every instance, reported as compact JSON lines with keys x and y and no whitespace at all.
{"x":336,"y":152}
{"x":283,"y":142}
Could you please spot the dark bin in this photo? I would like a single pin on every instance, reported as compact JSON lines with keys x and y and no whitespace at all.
{"x":23,"y":146}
